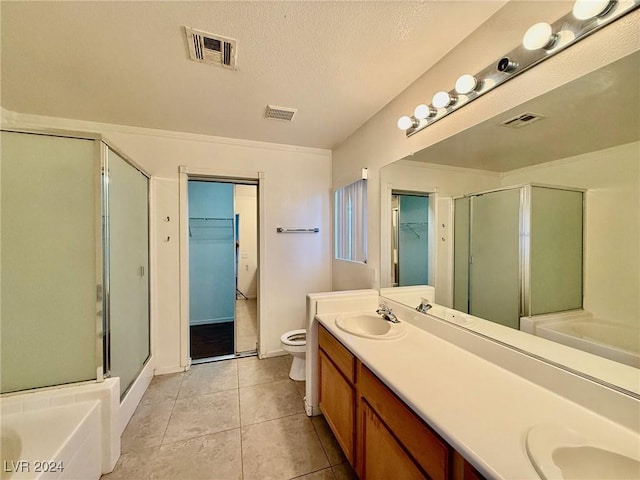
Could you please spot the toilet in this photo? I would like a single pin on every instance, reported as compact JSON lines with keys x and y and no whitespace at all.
{"x":295,"y":343}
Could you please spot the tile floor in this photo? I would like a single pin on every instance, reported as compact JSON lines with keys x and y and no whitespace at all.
{"x":236,"y":419}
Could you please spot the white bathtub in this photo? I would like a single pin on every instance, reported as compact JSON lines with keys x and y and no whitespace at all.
{"x":578,"y":329}
{"x":76,"y":424}
{"x":62,"y":442}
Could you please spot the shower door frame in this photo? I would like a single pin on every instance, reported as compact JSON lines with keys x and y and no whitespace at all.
{"x":431,"y":198}
{"x":386,"y":230}
{"x":105,"y":146}
{"x":524,"y":242}
{"x":102,"y":320}
{"x":98,"y":231}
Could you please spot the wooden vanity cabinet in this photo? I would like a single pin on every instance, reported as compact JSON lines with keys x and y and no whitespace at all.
{"x":421,"y":446}
{"x":337,"y":393}
{"x":380,"y":435}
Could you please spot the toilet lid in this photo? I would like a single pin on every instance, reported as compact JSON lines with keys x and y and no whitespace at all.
{"x":295,"y":337}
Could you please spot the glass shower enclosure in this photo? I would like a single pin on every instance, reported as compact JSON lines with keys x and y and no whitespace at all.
{"x":518,"y":252}
{"x":74,"y":289}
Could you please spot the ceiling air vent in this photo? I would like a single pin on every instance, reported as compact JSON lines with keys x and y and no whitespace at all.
{"x":522,"y":120}
{"x":280,"y":113}
{"x":211,"y":48}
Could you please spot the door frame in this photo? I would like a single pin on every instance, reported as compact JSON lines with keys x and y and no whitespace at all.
{"x":431,"y":218}
{"x":398,"y":188}
{"x":185,"y":174}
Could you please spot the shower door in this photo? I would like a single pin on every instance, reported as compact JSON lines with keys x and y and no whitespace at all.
{"x":127,"y":266}
{"x":494,"y":261}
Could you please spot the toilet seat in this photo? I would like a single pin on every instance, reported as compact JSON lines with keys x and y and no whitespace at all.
{"x":295,"y":338}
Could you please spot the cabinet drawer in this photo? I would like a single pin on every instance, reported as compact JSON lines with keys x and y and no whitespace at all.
{"x":424,"y":445}
{"x":341,"y":357}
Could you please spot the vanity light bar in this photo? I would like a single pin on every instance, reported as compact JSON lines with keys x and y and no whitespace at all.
{"x":540,"y":42}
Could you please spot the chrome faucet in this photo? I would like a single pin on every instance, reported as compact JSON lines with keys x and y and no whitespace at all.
{"x":385,"y":312}
{"x":424,"y":306}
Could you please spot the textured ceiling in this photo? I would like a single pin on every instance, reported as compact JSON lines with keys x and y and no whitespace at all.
{"x":597,"y":111}
{"x":127,"y":63}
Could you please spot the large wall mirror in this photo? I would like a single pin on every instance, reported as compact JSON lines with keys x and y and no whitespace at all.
{"x":584,"y":137}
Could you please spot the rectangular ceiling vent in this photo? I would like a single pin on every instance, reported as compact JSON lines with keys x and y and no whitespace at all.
{"x":522,"y":120}
{"x":211,"y":48}
{"x":280,"y":113}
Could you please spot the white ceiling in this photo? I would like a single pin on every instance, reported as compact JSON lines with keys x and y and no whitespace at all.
{"x":597,"y":111}
{"x":127,"y":63}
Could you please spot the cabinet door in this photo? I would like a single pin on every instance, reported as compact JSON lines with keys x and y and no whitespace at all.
{"x":337,"y":403}
{"x":418,"y":440}
{"x":382,"y":456}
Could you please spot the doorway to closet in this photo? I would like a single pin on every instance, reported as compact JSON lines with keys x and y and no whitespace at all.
{"x":223,"y":269}
{"x":410,"y":213}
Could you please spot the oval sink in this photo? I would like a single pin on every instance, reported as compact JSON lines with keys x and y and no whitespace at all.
{"x":369,"y":325}
{"x":563,"y":454}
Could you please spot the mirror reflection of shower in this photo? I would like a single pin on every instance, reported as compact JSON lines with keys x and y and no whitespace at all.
{"x":409,"y":239}
{"x":571,"y":150}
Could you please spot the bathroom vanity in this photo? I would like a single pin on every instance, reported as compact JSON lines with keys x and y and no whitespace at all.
{"x":381,"y":437}
{"x":426,"y":398}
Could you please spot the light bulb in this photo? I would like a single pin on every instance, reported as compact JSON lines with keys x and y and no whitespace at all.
{"x":442,"y":100}
{"x":539,"y":36}
{"x":586,"y":9}
{"x":405,"y":123}
{"x":466,"y":84}
{"x":423,"y":111}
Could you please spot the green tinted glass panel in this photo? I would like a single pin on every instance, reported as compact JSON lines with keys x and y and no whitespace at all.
{"x":461,"y":255}
{"x":48,"y":202}
{"x":556,"y":250}
{"x":494,"y":287}
{"x":128,"y":270}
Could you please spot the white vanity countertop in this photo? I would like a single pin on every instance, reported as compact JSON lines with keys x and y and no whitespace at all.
{"x":483,"y":410}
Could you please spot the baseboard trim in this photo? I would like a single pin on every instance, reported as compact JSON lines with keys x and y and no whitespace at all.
{"x":312,"y":411}
{"x":273,"y":353}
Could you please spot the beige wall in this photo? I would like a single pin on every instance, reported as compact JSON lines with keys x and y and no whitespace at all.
{"x":246,"y":203}
{"x":379,"y":142}
{"x":297,"y":186}
{"x":612,"y":224}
